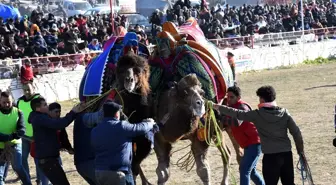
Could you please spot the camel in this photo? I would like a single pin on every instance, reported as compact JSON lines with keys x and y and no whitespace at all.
{"x":176,"y":56}
{"x":132,"y":75}
{"x":129,"y":79}
{"x":180,"y":108}
{"x":185,"y":105}
{"x":185,"y":98}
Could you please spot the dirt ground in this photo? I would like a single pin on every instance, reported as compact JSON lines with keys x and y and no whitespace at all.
{"x":308,"y":92}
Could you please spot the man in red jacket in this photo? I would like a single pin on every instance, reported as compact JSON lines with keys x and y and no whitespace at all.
{"x":246,"y":135}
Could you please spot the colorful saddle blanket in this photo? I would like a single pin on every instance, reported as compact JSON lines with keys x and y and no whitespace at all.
{"x":175,"y":68}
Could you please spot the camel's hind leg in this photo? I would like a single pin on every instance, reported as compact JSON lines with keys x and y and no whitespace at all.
{"x":225,"y":154}
{"x":199,"y":150}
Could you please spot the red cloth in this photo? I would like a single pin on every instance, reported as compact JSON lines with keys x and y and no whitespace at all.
{"x":27,"y":74}
{"x":246,"y":134}
{"x":32,"y":145}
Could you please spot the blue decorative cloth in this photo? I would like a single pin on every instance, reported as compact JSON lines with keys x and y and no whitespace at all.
{"x":94,"y":75}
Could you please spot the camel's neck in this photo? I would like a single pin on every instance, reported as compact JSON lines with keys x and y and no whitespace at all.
{"x":135,"y":106}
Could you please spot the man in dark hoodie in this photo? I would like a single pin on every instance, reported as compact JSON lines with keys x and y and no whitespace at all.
{"x":272,"y":123}
{"x":11,"y":130}
{"x":47,"y":146}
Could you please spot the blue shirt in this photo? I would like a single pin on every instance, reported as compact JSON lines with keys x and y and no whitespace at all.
{"x":112,"y":143}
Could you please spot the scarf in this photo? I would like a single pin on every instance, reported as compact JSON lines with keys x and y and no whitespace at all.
{"x":268,"y":104}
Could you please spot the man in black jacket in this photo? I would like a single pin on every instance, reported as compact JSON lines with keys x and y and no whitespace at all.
{"x":46,"y":140}
{"x":11,"y":130}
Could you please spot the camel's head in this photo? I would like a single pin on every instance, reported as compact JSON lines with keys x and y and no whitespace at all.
{"x":190,"y":95}
{"x":133,"y":74}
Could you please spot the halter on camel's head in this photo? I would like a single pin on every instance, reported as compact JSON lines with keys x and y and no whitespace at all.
{"x":133,"y":74}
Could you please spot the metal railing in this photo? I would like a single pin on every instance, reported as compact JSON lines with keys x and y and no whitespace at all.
{"x":276,"y":38}
{"x":46,"y":64}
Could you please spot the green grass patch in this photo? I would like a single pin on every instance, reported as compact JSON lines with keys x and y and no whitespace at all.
{"x":320,"y":60}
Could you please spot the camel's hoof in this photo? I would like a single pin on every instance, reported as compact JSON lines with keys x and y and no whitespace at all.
{"x":146,"y":183}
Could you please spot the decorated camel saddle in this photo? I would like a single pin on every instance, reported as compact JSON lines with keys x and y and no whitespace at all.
{"x":184,"y":50}
{"x":99,"y":76}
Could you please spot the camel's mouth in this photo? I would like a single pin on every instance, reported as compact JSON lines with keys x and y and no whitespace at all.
{"x":129,"y":86}
{"x":198,"y":108}
{"x":130,"y":80}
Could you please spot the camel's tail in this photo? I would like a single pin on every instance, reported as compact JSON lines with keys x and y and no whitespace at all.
{"x":305,"y":170}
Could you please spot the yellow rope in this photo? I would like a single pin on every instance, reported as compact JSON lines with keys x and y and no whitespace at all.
{"x":186,"y":162}
{"x":218,"y":134}
{"x":95,"y":100}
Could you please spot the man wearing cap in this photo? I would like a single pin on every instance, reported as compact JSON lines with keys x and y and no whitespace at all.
{"x":232,"y":64}
{"x":113,"y":159}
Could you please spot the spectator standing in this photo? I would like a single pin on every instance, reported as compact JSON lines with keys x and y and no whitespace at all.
{"x":27,"y":74}
{"x":230,"y":57}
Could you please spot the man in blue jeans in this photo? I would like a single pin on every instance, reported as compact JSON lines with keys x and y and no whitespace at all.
{"x":24,"y":105}
{"x":11,"y":130}
{"x":246,"y":135}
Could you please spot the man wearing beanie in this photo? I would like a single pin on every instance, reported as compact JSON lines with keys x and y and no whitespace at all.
{"x":112,"y":144}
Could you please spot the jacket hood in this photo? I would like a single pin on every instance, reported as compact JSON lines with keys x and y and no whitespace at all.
{"x":272,"y":114}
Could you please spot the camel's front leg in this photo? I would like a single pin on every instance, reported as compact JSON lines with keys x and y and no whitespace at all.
{"x":225,"y":154}
{"x":162,"y":150}
{"x":143,"y":149}
{"x":199,"y":150}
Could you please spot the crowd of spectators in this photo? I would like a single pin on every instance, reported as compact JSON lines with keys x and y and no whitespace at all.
{"x":53,"y":42}
{"x":38,"y":35}
{"x":230,"y":21}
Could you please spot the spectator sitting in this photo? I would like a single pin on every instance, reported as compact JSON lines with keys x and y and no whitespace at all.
{"x":94,"y":45}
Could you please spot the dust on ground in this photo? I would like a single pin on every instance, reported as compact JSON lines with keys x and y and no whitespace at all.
{"x":308,"y":92}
